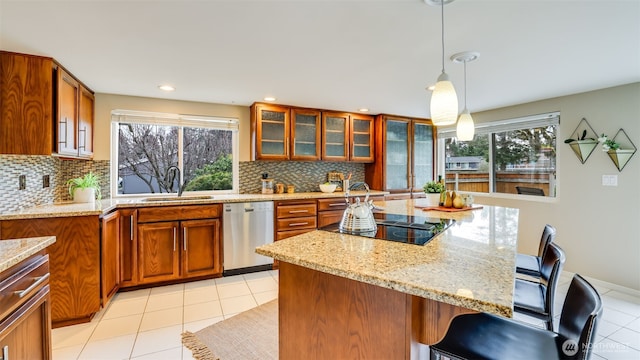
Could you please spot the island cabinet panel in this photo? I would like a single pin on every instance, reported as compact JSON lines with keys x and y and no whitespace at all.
{"x":110,"y":252}
{"x":74,"y":263}
{"x":366,"y":321}
{"x":25,"y":319}
{"x":26,"y":103}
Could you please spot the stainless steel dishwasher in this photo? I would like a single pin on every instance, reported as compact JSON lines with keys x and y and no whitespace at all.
{"x":246,"y":226}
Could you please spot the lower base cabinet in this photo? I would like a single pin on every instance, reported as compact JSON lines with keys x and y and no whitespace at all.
{"x":25,"y":333}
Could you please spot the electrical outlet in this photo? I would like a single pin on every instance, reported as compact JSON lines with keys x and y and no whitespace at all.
{"x":22,"y":182}
{"x":609,"y":180}
{"x":45,"y":181}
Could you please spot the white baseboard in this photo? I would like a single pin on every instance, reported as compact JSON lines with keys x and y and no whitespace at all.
{"x":608,"y":285}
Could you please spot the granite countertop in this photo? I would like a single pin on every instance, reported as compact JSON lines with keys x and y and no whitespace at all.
{"x":471,"y":264}
{"x":15,"y":250}
{"x":105,"y":206}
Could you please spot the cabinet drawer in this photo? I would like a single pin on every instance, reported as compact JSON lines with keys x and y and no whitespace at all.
{"x":332,"y":204}
{"x":307,"y":222}
{"x":173,"y":213}
{"x":296,"y":210}
{"x":21,"y":282}
{"x":287,"y":234}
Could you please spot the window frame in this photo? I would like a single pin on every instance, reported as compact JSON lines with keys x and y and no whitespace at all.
{"x":492,"y":127}
{"x":180,"y":121}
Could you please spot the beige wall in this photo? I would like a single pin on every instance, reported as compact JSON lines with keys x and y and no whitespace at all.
{"x":598,"y":226}
{"x":105,"y":103}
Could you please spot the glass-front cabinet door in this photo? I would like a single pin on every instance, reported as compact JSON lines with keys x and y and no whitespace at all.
{"x":271,"y":132}
{"x":361,"y":137}
{"x":422,"y":154}
{"x":396,"y":169}
{"x":335,"y":130}
{"x":305,"y":132}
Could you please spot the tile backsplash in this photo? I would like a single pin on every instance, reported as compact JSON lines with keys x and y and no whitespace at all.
{"x":34,"y":168}
{"x":304,"y":175}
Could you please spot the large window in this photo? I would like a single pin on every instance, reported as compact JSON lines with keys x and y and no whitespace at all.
{"x":156,"y":153}
{"x":515,"y":156}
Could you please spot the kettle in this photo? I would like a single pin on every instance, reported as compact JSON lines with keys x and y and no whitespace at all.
{"x":358,"y":217}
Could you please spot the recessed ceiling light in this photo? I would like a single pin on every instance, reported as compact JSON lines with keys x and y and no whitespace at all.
{"x":269,"y":98}
{"x":166,"y":88}
{"x":363,"y":110}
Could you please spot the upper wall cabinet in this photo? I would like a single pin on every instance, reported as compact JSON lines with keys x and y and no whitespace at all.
{"x":405,"y":156}
{"x":26,"y":103}
{"x":280,"y":132}
{"x":45,"y":110}
{"x":74,"y":117}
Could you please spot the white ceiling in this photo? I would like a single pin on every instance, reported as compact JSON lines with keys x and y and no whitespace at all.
{"x":340,"y":55}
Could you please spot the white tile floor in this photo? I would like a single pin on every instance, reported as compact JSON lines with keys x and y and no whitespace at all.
{"x":146,"y":324}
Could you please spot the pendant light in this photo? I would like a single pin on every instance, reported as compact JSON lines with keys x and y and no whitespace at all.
{"x":444,"y":101}
{"x":465,"y":128}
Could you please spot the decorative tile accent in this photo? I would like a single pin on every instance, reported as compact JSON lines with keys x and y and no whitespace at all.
{"x":34,"y":167}
{"x":304,"y":175}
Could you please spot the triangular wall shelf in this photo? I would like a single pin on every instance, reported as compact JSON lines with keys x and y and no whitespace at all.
{"x":583,"y":140}
{"x":621,"y":156}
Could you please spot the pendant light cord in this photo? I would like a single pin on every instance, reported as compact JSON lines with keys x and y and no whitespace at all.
{"x":442,"y":30}
{"x":465,"y":84}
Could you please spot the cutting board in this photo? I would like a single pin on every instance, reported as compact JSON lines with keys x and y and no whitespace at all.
{"x":451,"y":209}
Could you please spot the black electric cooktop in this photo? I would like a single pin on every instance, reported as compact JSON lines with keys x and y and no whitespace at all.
{"x":406,"y":229}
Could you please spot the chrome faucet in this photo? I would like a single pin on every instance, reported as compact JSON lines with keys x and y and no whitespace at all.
{"x":176,"y":169}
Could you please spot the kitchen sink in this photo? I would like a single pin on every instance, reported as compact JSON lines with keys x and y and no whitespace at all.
{"x":177,"y":198}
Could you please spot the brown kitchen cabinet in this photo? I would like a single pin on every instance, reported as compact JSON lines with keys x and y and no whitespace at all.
{"x":74,"y":261}
{"x":284,"y":133}
{"x":26,"y":103}
{"x":347,"y":137}
{"x":128,"y":247}
{"x":25,"y":320}
{"x":74,"y":117}
{"x":270,"y":131}
{"x":110,"y":256}
{"x":44,"y":109}
{"x":330,"y":210}
{"x":405,"y":157}
{"x":178,"y":242}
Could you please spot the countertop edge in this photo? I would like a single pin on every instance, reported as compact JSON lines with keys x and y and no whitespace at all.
{"x":25,"y":248}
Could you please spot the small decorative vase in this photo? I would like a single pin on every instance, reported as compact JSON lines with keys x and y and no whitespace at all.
{"x":433,"y":199}
{"x":85,"y":195}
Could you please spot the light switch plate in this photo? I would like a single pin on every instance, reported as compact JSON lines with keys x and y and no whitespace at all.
{"x":609,"y":180}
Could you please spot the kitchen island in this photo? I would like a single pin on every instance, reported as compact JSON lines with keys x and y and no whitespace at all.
{"x":350,"y":296}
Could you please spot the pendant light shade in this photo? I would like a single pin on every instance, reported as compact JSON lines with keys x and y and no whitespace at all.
{"x":444,"y":100}
{"x":465,"y":130}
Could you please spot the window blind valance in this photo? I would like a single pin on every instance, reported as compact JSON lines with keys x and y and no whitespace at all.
{"x":527,"y":122}
{"x":146,"y":117}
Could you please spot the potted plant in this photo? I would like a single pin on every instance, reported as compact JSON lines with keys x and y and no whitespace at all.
{"x":85,"y":189}
{"x":433,"y":189}
{"x":582,"y":146}
{"x":619,"y":156}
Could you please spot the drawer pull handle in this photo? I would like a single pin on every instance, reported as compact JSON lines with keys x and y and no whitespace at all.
{"x":184,"y":236}
{"x":174,"y":238}
{"x":36,"y":283}
{"x":5,"y":353}
{"x":298,"y":211}
{"x":131,"y":227}
{"x":299,"y":224}
{"x":337,"y":204}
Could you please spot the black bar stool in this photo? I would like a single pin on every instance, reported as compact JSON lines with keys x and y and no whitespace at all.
{"x":529,"y":264}
{"x":486,"y":336}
